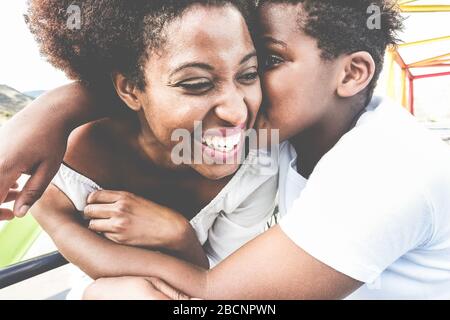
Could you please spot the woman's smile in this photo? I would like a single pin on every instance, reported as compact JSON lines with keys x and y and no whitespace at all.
{"x":223,"y":144}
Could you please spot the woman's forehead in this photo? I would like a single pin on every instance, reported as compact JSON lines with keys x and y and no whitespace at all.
{"x":207,"y":33}
{"x":201,"y":24}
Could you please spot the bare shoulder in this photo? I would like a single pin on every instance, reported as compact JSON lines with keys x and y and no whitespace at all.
{"x":94,"y":150}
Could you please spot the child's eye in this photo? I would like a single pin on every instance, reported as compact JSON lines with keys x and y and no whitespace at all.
{"x":196,"y":86}
{"x":272,"y":60}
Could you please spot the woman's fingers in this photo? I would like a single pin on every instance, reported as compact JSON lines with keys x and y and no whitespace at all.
{"x":106,"y":196}
{"x":101,"y":225}
{"x":115,"y":237}
{"x":99,"y":211}
{"x":12,"y":195}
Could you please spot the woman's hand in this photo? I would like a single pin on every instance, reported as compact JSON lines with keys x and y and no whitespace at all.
{"x":131,"y":220}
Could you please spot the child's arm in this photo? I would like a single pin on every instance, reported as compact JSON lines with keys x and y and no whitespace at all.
{"x":34,"y":141}
{"x":269,"y":267}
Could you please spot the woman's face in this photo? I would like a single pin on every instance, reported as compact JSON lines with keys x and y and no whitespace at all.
{"x":297,"y":82}
{"x":206,"y":71}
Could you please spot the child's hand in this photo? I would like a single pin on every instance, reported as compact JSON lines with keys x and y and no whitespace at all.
{"x":6,"y":214}
{"x":29,"y":145}
{"x":132,"y":288}
{"x":128,"y":219}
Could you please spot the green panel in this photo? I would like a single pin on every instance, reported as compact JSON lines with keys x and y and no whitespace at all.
{"x":16,"y":237}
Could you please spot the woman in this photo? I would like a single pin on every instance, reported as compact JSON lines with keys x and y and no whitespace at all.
{"x":343,"y":226}
{"x":170,"y":80}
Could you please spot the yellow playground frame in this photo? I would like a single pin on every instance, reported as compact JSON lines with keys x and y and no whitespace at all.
{"x":441,"y":61}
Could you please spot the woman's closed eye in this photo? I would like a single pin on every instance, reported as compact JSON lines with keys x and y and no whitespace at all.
{"x":196,"y":85}
{"x":249,"y":77}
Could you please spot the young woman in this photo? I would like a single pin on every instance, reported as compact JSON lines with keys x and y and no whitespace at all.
{"x":353,"y":214}
{"x":189,"y":71}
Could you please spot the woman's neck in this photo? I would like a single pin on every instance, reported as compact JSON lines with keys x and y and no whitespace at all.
{"x":312,"y":144}
{"x":155,"y":154}
{"x":148,"y":146}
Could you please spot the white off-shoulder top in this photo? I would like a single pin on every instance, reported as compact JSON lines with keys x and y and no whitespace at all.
{"x":236,"y":215}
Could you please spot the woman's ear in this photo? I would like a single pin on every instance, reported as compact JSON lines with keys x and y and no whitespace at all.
{"x":126,"y":91}
{"x":357,"y":72}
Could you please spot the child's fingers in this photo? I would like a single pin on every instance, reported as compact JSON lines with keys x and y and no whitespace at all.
{"x":167,"y":290}
{"x":6,"y":214}
{"x":34,"y":188}
{"x":7,"y":178}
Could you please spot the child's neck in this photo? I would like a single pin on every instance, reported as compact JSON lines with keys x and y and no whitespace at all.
{"x":312,"y":144}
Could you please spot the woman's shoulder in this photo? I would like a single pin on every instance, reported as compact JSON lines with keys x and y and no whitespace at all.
{"x":93,"y":151}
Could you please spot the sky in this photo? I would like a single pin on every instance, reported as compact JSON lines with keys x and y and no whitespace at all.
{"x":21,"y":65}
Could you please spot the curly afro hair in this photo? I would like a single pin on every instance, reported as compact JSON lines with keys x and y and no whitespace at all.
{"x":340,"y":27}
{"x":114,"y":35}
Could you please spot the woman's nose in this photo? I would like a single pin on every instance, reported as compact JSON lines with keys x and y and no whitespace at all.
{"x":233,"y":109}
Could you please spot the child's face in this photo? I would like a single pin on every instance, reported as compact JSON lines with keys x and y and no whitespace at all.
{"x":299,"y":86}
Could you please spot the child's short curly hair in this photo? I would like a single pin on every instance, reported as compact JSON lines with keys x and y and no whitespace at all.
{"x":341,"y":27}
{"x":114,"y":35}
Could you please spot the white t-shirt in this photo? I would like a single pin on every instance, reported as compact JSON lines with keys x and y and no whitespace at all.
{"x":376,"y":207}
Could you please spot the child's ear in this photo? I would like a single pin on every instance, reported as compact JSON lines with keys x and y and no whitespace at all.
{"x":357,"y":71}
{"x":127,"y":91}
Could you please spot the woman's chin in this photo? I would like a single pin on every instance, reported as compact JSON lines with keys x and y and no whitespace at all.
{"x":216,"y":171}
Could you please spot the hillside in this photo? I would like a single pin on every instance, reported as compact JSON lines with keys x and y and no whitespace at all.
{"x":34,"y":94}
{"x":11,"y":102}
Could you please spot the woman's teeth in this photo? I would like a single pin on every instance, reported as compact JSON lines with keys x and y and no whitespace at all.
{"x":223,"y":144}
